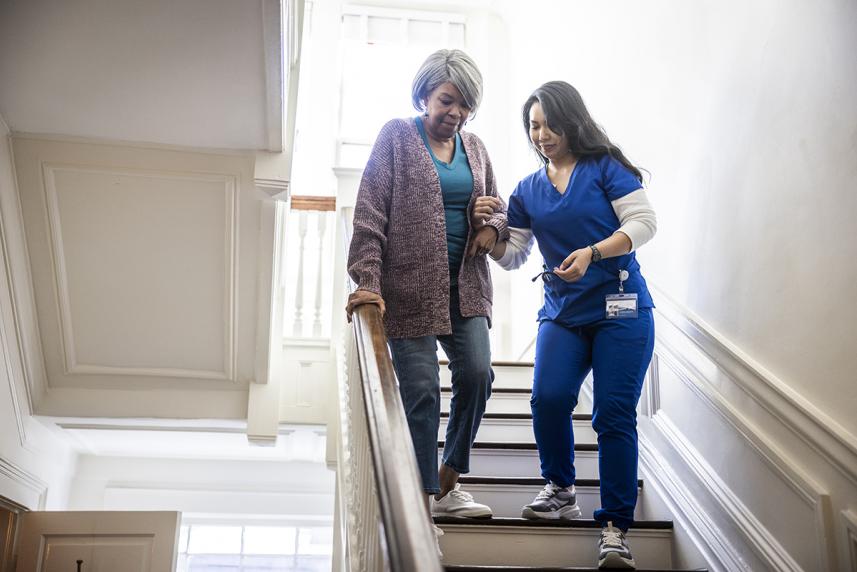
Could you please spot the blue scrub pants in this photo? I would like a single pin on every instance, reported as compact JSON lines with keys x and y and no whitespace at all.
{"x":415,"y":361}
{"x":618,"y":353}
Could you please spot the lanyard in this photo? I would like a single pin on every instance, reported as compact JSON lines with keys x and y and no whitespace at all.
{"x":547,"y":275}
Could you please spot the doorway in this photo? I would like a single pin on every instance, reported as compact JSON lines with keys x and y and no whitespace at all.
{"x":10,"y":513}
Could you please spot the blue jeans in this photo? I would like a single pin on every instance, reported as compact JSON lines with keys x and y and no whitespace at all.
{"x":618,"y":352}
{"x":416,"y":365}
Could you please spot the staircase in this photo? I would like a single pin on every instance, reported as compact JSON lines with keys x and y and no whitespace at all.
{"x":505,"y":475}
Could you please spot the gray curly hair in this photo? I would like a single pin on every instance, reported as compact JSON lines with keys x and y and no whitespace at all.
{"x":452,"y":66}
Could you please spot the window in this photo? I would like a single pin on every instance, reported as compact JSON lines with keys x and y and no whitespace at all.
{"x":381,"y":51}
{"x":226,"y":548}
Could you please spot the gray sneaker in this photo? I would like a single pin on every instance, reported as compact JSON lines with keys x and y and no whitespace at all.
{"x":613,"y":550}
{"x":553,"y":502}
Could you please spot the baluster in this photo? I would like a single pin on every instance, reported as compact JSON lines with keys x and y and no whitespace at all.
{"x":322,"y":226}
{"x":299,"y":290}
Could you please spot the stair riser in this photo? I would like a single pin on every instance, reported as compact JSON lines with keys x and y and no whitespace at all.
{"x":500,"y":463}
{"x":521,"y":546}
{"x":508,"y":500}
{"x":511,"y":403}
{"x":504,"y":377}
{"x":498,"y":403}
{"x":519,"y":431}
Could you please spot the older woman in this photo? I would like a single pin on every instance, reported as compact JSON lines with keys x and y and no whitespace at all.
{"x":414,"y":254}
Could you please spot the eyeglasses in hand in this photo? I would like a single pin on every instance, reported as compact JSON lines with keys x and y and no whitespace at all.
{"x":546,"y":275}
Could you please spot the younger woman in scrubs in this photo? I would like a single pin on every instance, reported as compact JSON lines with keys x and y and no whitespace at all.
{"x":587,"y":208}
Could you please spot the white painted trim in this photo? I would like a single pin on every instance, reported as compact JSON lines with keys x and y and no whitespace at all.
{"x":753,"y":531}
{"x":805,"y":488}
{"x":687,"y":511}
{"x":272,"y":39}
{"x":26,"y":479}
{"x":297,"y":343}
{"x":403,"y":13}
{"x":79,"y":139}
{"x":27,"y":364}
{"x":790,"y":408}
{"x":228,"y":426}
{"x":20,"y":424}
{"x":5,"y":352}
{"x":276,"y":189}
{"x":63,"y":301}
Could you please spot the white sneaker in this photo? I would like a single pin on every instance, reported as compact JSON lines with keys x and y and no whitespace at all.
{"x":459,"y":503}
{"x":438,"y":532}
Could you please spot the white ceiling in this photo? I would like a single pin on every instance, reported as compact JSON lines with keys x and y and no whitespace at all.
{"x":181,"y":72}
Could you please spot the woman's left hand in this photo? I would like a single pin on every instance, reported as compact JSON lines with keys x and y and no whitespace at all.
{"x":575,"y":265}
{"x":483,"y":241}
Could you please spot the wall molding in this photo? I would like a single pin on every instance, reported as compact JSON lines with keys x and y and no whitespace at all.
{"x":12,"y":297}
{"x":792,"y":410}
{"x":5,"y":352}
{"x":25,"y":479}
{"x":20,"y":423}
{"x":753,"y":531}
{"x":63,"y":299}
{"x":689,"y":513}
{"x":764,"y":422}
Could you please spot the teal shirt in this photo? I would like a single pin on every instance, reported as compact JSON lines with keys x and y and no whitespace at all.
{"x":456,"y":186}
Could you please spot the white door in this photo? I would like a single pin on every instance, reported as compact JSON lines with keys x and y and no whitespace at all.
{"x":103,"y":541}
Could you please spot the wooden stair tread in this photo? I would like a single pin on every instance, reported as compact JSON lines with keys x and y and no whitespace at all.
{"x":521,"y":416}
{"x":525,"y":481}
{"x":499,"y":363}
{"x":574,"y":523}
{"x":497,"y":390}
{"x":523,"y":446}
{"x":465,"y":568}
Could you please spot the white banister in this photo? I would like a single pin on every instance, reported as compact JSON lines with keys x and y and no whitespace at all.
{"x":316,"y":324}
{"x":299,"y":291}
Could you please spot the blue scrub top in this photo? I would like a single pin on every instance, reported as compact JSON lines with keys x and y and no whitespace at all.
{"x":456,"y":186}
{"x":562,"y":223}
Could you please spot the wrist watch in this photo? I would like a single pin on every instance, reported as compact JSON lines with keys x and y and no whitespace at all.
{"x":596,"y":254}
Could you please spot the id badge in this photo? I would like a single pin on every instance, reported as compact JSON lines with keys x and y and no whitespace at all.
{"x":621,"y":306}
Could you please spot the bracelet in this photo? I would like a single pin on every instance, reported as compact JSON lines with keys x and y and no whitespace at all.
{"x":596,"y":254}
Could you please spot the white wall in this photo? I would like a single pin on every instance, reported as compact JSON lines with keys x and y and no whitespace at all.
{"x":745,"y":115}
{"x":35,"y":465}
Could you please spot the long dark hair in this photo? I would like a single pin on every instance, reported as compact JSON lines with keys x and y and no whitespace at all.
{"x":566,"y":114}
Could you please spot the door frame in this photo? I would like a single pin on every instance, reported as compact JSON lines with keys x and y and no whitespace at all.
{"x":10,"y":516}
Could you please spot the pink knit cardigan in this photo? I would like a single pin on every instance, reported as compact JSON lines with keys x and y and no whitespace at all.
{"x":398,"y":248}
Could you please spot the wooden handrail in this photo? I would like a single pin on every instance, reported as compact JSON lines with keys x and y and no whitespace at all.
{"x":410,"y":542}
{"x":312,"y":203}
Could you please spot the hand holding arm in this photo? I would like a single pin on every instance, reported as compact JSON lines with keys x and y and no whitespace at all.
{"x":483,"y":209}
